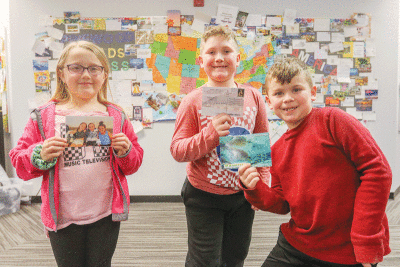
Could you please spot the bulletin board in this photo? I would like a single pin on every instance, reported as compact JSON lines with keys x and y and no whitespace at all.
{"x":155,"y":60}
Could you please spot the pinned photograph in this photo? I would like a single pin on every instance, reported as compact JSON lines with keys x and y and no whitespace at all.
{"x":72,"y":17}
{"x":72,"y":28}
{"x":137,"y":113}
{"x":363,"y":104}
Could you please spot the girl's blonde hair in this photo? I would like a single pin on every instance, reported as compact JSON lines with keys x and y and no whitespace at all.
{"x":62,"y":94}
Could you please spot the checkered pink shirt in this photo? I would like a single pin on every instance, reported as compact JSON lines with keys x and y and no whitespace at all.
{"x":195,"y":141}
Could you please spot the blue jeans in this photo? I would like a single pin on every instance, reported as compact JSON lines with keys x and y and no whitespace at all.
{"x":219,"y":228}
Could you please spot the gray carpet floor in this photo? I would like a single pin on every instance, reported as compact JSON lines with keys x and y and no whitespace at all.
{"x":154,"y":235}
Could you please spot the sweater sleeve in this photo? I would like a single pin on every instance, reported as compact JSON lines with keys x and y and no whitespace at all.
{"x":368,"y":232}
{"x":21,"y":154}
{"x":130,"y":162}
{"x":267,"y":198}
{"x":189,"y":142}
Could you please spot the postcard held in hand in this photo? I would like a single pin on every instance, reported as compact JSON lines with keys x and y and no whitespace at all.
{"x":216,"y":100}
{"x":236,"y":150}
{"x":87,"y":130}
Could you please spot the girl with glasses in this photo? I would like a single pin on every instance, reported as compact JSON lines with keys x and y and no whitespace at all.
{"x":84,"y":191}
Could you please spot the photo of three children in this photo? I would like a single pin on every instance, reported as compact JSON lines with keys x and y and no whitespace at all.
{"x":82,"y":131}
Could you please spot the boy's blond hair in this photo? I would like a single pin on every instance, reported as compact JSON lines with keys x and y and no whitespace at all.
{"x":220,"y":31}
{"x":61,"y":94}
{"x":285,"y":69}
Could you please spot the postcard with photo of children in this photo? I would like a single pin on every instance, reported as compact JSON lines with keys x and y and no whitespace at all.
{"x":88,"y":130}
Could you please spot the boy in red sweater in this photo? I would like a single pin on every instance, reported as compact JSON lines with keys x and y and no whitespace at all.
{"x":219,"y":218}
{"x":328,"y":172}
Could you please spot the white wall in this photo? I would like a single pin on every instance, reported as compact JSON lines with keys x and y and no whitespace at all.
{"x":160,"y":174}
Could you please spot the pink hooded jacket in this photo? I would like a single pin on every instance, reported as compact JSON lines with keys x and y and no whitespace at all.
{"x":41,"y":126}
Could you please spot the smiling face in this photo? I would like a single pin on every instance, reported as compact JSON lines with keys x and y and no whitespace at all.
{"x":102,"y":129}
{"x":91,"y":127}
{"x":219,"y":58}
{"x":82,"y":87}
{"x":291,"y":102}
{"x":82,"y":127}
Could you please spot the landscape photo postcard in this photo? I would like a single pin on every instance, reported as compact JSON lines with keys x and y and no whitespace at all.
{"x":235,"y":150}
{"x":88,"y":130}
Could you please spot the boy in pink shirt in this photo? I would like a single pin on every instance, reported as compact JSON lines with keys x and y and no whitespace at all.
{"x":219,"y":218}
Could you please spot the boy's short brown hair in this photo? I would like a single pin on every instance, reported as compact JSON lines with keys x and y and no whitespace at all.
{"x":285,"y":69}
{"x":221,"y":31}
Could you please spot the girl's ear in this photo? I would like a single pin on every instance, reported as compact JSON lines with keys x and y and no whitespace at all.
{"x":61,"y":75}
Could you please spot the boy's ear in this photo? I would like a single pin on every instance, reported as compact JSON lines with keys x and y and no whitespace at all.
{"x":313,"y":93}
{"x":238,"y":59}
{"x":268,"y":102}
{"x":201,"y":61}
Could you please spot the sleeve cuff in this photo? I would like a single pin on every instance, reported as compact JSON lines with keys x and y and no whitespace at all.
{"x":38,"y":162}
{"x":124,"y":155}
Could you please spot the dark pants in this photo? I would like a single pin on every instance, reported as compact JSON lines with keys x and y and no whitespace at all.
{"x":219,"y":228}
{"x":285,"y":255}
{"x":89,"y":245}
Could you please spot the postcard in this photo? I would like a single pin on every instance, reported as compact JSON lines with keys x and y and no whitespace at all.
{"x":113,"y":24}
{"x":241,"y":19}
{"x":137,"y":113}
{"x":72,"y":28}
{"x":40,"y":65}
{"x":200,"y":19}
{"x":371,"y":94}
{"x":72,"y":17}
{"x":273,"y":20}
{"x":348,"y":101}
{"x":226,"y":15}
{"x":88,"y":130}
{"x":147,"y":117}
{"x":288,"y":16}
{"x":86,"y":24}
{"x":363,"y":104}
{"x":174,"y":18}
{"x":331,"y":101}
{"x":235,"y":150}
{"x":254,"y":20}
{"x":135,"y":88}
{"x":216,"y":100}
{"x":363,"y":64}
{"x":322,"y":25}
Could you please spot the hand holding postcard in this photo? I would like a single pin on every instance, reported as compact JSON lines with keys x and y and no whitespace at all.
{"x":236,"y":150}
{"x":88,"y":130}
{"x":217,"y":100}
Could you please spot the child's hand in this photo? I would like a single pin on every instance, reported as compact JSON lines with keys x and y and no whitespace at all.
{"x":249,"y":176}
{"x":222,"y":123}
{"x":120,"y":143}
{"x":52,"y":148}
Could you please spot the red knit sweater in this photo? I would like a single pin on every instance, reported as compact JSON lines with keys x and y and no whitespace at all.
{"x":335,"y":181}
